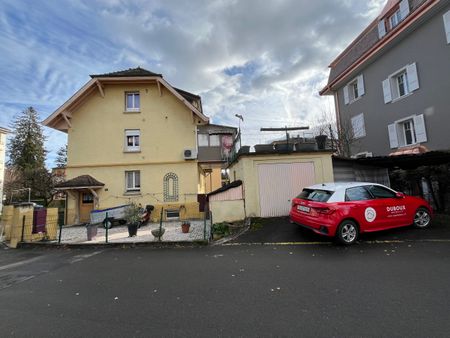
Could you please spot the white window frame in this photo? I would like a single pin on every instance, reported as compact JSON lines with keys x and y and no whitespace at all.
{"x":402,"y":125}
{"x":395,"y":84}
{"x":215,"y":137}
{"x":358,"y":131}
{"x":134,"y":108}
{"x":135,"y":134}
{"x":172,"y":211}
{"x":349,"y":89}
{"x":397,"y":132}
{"x":206,"y":140}
{"x":134,"y":187}
{"x":203,"y":140}
{"x":391,"y":88}
{"x":395,"y":19}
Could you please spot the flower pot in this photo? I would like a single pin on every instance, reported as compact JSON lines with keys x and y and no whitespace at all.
{"x":158,"y":234}
{"x":185,"y":227}
{"x":321,"y":141}
{"x":132,"y":229}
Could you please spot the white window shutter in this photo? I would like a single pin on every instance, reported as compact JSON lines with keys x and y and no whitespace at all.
{"x":346,"y":96}
{"x":393,"y":139}
{"x":413,"y":80}
{"x":387,"y":91}
{"x":361,"y":90}
{"x":381,"y":29}
{"x":404,"y":9}
{"x":419,"y":127}
{"x":447,"y":25}
{"x":358,"y":126}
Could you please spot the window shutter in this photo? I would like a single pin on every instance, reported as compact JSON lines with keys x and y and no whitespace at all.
{"x":346,"y":97}
{"x":387,"y":91}
{"x":447,"y":25}
{"x":393,"y":139}
{"x":413,"y":80}
{"x":381,"y":29}
{"x":419,"y":127}
{"x":361,"y":89}
{"x":404,"y":9}
{"x":359,"y":129}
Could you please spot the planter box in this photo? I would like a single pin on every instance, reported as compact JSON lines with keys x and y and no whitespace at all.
{"x":260,"y":148}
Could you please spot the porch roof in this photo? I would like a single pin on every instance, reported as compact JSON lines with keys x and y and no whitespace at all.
{"x":80,"y":182}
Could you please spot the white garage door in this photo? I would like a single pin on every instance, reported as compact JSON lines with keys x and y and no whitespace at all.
{"x":279,"y":183}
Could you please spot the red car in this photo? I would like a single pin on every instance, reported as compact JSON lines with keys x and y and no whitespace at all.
{"x":345,"y":210}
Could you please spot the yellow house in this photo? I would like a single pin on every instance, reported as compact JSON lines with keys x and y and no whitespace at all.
{"x":132,"y":137}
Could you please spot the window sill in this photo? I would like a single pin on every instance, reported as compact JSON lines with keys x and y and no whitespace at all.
{"x":401,"y":97}
{"x":357,"y":99}
{"x":132,"y":193}
{"x":132,"y":151}
{"x":132,"y":111}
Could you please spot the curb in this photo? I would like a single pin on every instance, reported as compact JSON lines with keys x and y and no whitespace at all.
{"x":113,"y":245}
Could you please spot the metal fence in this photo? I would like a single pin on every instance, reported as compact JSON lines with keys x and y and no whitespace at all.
{"x":171,"y":231}
{"x":27,"y":230}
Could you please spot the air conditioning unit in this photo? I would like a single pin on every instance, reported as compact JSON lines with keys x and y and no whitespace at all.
{"x":190,"y":154}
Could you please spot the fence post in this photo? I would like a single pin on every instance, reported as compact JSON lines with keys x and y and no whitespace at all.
{"x":204,"y":227}
{"x":106,"y":227}
{"x":23,"y":228}
{"x":60,"y":233}
{"x":160,"y":224}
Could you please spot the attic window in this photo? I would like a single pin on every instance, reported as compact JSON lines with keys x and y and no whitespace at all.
{"x":132,"y":102}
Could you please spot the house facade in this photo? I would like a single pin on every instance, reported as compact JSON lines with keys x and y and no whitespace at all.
{"x":132,"y":137}
{"x":3,"y":133}
{"x":215,"y":149}
{"x":390,"y":85}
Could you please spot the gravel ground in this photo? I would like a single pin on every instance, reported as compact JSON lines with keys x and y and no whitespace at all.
{"x":119,"y":234}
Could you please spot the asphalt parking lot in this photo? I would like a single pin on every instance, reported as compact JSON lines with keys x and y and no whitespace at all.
{"x":280,"y":230}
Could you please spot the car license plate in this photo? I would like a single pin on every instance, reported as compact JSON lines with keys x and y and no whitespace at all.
{"x":303,"y":208}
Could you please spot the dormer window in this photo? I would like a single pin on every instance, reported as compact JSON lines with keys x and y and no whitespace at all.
{"x":395,"y":19}
{"x":389,"y":22}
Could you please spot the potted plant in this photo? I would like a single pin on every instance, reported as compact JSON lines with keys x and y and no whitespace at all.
{"x":132,"y":217}
{"x":321,"y":141}
{"x":185,"y":226}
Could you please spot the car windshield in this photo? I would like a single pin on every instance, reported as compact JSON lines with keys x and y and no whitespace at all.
{"x":315,"y":195}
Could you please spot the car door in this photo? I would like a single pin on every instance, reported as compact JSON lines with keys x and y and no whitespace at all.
{"x":359,"y":201}
{"x":391,"y":209}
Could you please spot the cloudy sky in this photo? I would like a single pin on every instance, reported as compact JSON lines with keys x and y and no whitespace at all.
{"x":266,"y":60}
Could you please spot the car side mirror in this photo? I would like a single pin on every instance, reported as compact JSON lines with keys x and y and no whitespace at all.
{"x":399,"y":195}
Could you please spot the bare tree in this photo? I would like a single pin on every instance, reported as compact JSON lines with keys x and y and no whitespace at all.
{"x":342,"y":135}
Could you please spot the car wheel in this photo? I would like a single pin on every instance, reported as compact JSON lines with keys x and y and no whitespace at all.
{"x":422,"y":218}
{"x":347,"y":232}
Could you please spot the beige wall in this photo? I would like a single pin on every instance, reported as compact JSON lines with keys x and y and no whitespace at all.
{"x":96,"y":143}
{"x":245,"y":169}
{"x":213,"y":180}
{"x":227,"y":211}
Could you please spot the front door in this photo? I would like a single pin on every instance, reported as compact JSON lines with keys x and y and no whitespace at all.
{"x":86,"y":206}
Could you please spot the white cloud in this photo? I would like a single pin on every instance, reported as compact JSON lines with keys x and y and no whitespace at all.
{"x":267,"y":62}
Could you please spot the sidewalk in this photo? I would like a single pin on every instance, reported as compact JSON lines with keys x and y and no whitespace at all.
{"x":119,"y":234}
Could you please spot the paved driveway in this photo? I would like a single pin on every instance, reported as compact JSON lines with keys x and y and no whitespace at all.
{"x":279,"y":230}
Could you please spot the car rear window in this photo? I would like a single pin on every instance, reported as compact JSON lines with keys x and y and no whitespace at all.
{"x":315,"y":195}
